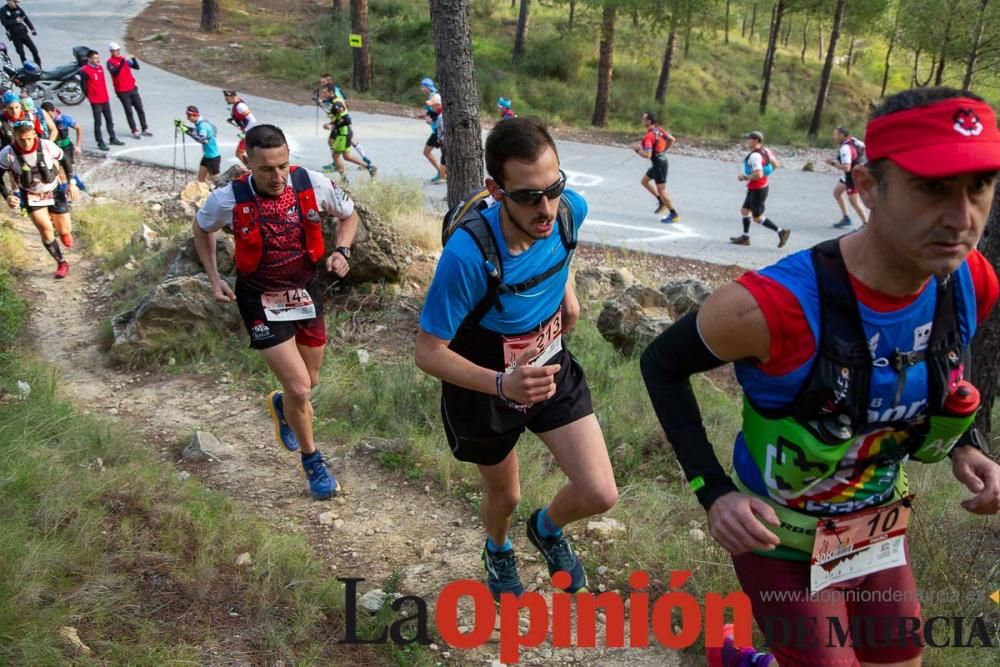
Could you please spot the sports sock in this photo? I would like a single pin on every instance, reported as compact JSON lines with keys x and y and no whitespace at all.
{"x":673,"y":211}
{"x":361,"y":152}
{"x":493,"y":548}
{"x":54,"y":250}
{"x":546,"y":528}
{"x":767,"y":222}
{"x":746,"y":225}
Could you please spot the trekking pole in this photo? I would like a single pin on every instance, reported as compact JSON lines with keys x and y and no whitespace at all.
{"x":317,"y":120}
{"x":173,"y":164}
{"x":184,"y":152}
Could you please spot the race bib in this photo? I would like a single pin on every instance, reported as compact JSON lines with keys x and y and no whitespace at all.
{"x":860,"y":543}
{"x":41,"y":199}
{"x":288,"y":305}
{"x":547,"y":340}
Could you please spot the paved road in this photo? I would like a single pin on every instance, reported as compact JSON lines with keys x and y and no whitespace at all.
{"x":705,"y":191}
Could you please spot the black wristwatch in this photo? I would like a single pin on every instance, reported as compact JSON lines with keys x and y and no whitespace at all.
{"x":343,"y":250}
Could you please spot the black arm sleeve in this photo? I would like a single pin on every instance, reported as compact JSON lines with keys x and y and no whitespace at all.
{"x":67,"y":163}
{"x":4,"y":188}
{"x":114,"y":69}
{"x":667,"y":366}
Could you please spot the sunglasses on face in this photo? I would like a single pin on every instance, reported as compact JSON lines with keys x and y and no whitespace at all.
{"x":532,"y":197}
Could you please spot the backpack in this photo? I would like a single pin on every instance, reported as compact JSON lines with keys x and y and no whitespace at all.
{"x":859,"y":150}
{"x":468,"y":216}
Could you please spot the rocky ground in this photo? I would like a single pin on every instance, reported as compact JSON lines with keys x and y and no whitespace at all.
{"x":381,"y":524}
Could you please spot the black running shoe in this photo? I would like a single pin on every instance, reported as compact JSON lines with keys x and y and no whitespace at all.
{"x":501,"y":572}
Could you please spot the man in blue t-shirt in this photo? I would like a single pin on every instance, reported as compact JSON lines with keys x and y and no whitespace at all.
{"x":203,"y":132}
{"x":503,"y":363}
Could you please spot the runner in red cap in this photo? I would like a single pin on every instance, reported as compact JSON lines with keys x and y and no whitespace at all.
{"x":853,"y":358}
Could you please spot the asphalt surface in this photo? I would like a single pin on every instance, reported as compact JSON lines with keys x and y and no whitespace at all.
{"x":705,"y":192}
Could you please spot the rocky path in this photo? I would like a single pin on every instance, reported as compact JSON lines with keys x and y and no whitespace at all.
{"x":382,"y":523}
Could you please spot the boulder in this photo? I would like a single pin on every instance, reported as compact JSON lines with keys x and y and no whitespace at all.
{"x":685,"y":295}
{"x":202,"y":447}
{"x":597,"y":281}
{"x":230,"y":175}
{"x":631,"y":321}
{"x":175,"y":311}
{"x":186,"y":262}
{"x":145,"y":238}
{"x":195,"y":193}
{"x":175,"y":209}
{"x":378,"y":254}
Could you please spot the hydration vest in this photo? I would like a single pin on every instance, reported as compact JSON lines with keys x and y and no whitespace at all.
{"x":467,"y":215}
{"x":659,"y":142}
{"x":768,"y":166}
{"x":238,"y":119}
{"x":857,"y":150}
{"x":47,"y":172}
{"x":247,"y":234}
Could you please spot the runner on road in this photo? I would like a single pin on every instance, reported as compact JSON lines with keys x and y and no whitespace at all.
{"x":480,"y":331}
{"x":340,"y":140}
{"x":757,"y":166}
{"x":242,"y":119}
{"x":40,"y":171}
{"x":432,"y":110}
{"x":325,"y":102}
{"x":850,"y":153}
{"x":654,"y":146}
{"x":64,"y":123}
{"x":275,"y":214}
{"x":851,"y":357}
{"x":505,"y":108}
{"x":203,"y":132}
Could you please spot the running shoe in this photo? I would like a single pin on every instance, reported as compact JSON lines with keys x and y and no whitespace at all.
{"x":843,"y":222}
{"x":728,"y":655}
{"x":67,"y":240}
{"x":558,"y":554}
{"x":673,"y":217}
{"x":501,"y":572}
{"x":282,"y":431}
{"x":742,"y":239}
{"x":322,"y":484}
{"x":367,"y":161}
{"x":372,"y":170}
{"x":329,"y":167}
{"x":783,"y":237}
{"x":116,"y":142}
{"x":438,"y":179}
{"x":62,"y":270}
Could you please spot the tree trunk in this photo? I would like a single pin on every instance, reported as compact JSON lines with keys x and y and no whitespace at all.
{"x":668,"y":58}
{"x":771,"y":41}
{"x":888,"y":52}
{"x":362,"y":79}
{"x":753,"y":21}
{"x":939,"y":77}
{"x":779,"y":10}
{"x":210,"y":15}
{"x":977,"y":41}
{"x":338,"y":10}
{"x":805,"y":38}
{"x":788,"y":34}
{"x":602,"y":105}
{"x":460,"y":97}
{"x":917,"y":83}
{"x":687,"y":28}
{"x":824,"y":82}
{"x":635,"y":18}
{"x":819,"y":39}
{"x":572,"y":13}
{"x":726,"y":41}
{"x":522,"y":31}
{"x":850,"y":55}
{"x":986,"y":344}
{"x":743,"y":26}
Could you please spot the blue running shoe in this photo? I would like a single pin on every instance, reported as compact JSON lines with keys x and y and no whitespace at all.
{"x":558,"y":554}
{"x":282,"y":431}
{"x":673,"y":217}
{"x":322,"y":483}
{"x":843,"y":222}
{"x":501,"y":572}
{"x":329,"y":167}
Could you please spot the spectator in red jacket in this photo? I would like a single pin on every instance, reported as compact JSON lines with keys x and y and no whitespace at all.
{"x":97,"y":95}
{"x":126,"y":89}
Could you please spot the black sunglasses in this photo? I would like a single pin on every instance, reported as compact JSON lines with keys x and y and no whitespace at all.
{"x":532,"y":197}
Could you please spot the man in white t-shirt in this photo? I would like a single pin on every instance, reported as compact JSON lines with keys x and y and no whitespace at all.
{"x":757,"y":166}
{"x":275,"y":212}
{"x":850,"y":154}
{"x":40,"y":171}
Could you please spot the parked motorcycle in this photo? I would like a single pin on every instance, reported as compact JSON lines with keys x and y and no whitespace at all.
{"x":62,"y":83}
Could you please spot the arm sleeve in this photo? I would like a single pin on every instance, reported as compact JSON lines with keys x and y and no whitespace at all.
{"x":667,"y":366}
{"x":114,"y":69}
{"x":330,"y":197}
{"x":134,"y":63}
{"x":217,"y":211}
{"x":459,"y":284}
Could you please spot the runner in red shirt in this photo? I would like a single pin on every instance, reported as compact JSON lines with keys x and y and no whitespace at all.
{"x":654,"y":146}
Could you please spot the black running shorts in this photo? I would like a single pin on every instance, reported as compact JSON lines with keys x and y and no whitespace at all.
{"x":213,"y":164}
{"x":755,"y":201}
{"x":433,"y":141}
{"x":61,"y":204}
{"x":482,"y":430}
{"x":265,"y":334}
{"x":658,"y":171}
{"x":848,"y":181}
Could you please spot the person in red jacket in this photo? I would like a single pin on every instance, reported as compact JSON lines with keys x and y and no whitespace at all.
{"x":126,"y":88}
{"x":97,"y":95}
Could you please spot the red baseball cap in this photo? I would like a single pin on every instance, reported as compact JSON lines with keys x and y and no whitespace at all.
{"x":954,"y":136}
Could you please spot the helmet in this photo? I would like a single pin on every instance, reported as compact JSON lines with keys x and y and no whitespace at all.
{"x":30,"y":67}
{"x":503,"y":102}
{"x":428,"y":83}
{"x":10,"y":97}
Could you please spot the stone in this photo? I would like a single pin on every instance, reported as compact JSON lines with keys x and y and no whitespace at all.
{"x":809,"y":166}
{"x":363,"y":356}
{"x":169,"y":317}
{"x":373,"y":600}
{"x":72,"y":639}
{"x":605,"y":527}
{"x":146,"y":238}
{"x":378,"y":254}
{"x":230,"y":175}
{"x":597,"y":281}
{"x":187,"y":263}
{"x":195,"y":193}
{"x":685,"y":295}
{"x":633,"y":320}
{"x":200,"y":448}
{"x":697,"y":534}
{"x":373,"y":445}
{"x":244,"y":559}
{"x":327,"y":518}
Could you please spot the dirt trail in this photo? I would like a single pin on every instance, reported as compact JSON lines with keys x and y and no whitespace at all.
{"x":383,"y":523}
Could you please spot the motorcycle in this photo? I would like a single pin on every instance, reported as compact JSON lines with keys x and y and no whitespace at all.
{"x":63,"y":83}
{"x":5,"y":61}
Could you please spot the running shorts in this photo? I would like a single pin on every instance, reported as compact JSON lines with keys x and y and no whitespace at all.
{"x":658,"y":171}
{"x":61,"y":204}
{"x":848,"y":181}
{"x":800,"y":629}
{"x":433,"y":141}
{"x":481,"y":429}
{"x":341,"y":143}
{"x":755,"y":201}
{"x":212,"y":164}
{"x":265,"y":334}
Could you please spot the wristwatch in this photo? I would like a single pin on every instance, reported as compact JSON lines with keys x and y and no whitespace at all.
{"x":343,"y":250}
